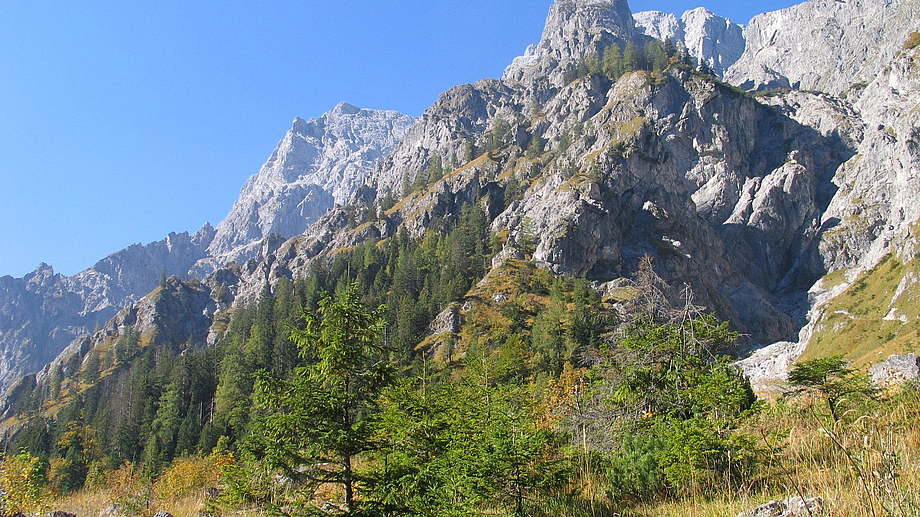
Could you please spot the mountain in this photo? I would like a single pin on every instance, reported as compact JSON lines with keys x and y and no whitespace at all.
{"x":317,"y":164}
{"x":777,"y":209}
{"x":754,"y":202}
{"x":574,"y":29}
{"x":707,"y":36}
{"x":726,"y":192}
{"x":44,"y":311}
{"x":827,"y":45}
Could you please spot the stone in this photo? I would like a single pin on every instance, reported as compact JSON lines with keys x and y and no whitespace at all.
{"x":447,"y":320}
{"x":792,"y":507}
{"x":163,"y":514}
{"x":112,"y":510}
{"x":897,"y":369}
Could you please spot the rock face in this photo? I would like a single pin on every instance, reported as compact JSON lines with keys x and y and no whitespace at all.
{"x":875,"y":208}
{"x":707,"y":180}
{"x":708,"y":37}
{"x":44,"y":311}
{"x":318,"y":163}
{"x":574,"y":29}
{"x":896,"y":369}
{"x":826,"y":45}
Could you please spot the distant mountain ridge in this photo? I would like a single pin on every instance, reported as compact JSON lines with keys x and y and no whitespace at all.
{"x":317,"y":164}
{"x":44,"y":311}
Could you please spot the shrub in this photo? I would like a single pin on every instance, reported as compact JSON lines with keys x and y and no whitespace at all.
{"x":129,"y":489}
{"x":633,"y":471}
{"x":19,"y":481}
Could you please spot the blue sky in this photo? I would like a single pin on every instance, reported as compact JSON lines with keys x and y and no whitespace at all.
{"x":123,"y":121}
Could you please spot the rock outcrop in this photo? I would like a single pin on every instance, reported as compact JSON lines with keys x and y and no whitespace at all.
{"x":874,"y":212}
{"x":709,"y":38}
{"x":574,"y":29}
{"x":792,"y":507}
{"x":898,"y":368}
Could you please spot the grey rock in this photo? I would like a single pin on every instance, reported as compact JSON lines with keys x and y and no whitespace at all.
{"x":318,"y":164}
{"x":574,"y":29}
{"x":111,"y":510}
{"x":707,"y":37}
{"x":792,"y":507}
{"x":41,"y":313}
{"x":447,"y":321}
{"x":460,"y":118}
{"x":896,"y":369}
{"x":826,"y":45}
{"x":163,"y":514}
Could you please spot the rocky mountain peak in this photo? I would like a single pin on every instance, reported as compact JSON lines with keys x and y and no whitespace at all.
{"x":319,"y":163}
{"x":825,"y":45}
{"x":707,"y":36}
{"x":344,"y":108}
{"x":574,"y":29}
{"x":299,"y":126}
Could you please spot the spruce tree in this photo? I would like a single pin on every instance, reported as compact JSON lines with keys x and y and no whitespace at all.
{"x":317,"y":421}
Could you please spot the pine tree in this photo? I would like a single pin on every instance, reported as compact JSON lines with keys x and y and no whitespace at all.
{"x":632,"y":58}
{"x":612,"y":62}
{"x":320,"y":419}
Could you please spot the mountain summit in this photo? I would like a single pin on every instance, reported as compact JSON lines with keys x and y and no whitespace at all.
{"x":574,"y":29}
{"x":319,"y":163}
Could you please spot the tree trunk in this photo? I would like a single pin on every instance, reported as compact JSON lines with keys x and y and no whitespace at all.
{"x":347,"y":481}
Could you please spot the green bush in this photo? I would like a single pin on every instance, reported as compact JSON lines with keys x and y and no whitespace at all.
{"x":633,"y":471}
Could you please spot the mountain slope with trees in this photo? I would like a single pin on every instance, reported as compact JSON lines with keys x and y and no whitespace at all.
{"x":567,"y":257}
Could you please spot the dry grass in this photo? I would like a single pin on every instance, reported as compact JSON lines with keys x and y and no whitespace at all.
{"x":89,"y":503}
{"x":867,"y":464}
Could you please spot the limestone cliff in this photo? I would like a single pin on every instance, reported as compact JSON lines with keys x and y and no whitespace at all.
{"x":708,"y":37}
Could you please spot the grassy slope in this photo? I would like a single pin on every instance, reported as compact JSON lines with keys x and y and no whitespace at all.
{"x":878,"y":315}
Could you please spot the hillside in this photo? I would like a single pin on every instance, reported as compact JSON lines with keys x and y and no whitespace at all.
{"x":561,"y":245}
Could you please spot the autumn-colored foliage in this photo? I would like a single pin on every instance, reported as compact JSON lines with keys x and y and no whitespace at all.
{"x":19,"y":481}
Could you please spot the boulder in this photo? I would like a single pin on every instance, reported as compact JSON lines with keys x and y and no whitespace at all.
{"x":792,"y":507}
{"x":896,"y":369}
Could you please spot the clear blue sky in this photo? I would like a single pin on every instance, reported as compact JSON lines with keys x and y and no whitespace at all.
{"x":122,"y":121}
